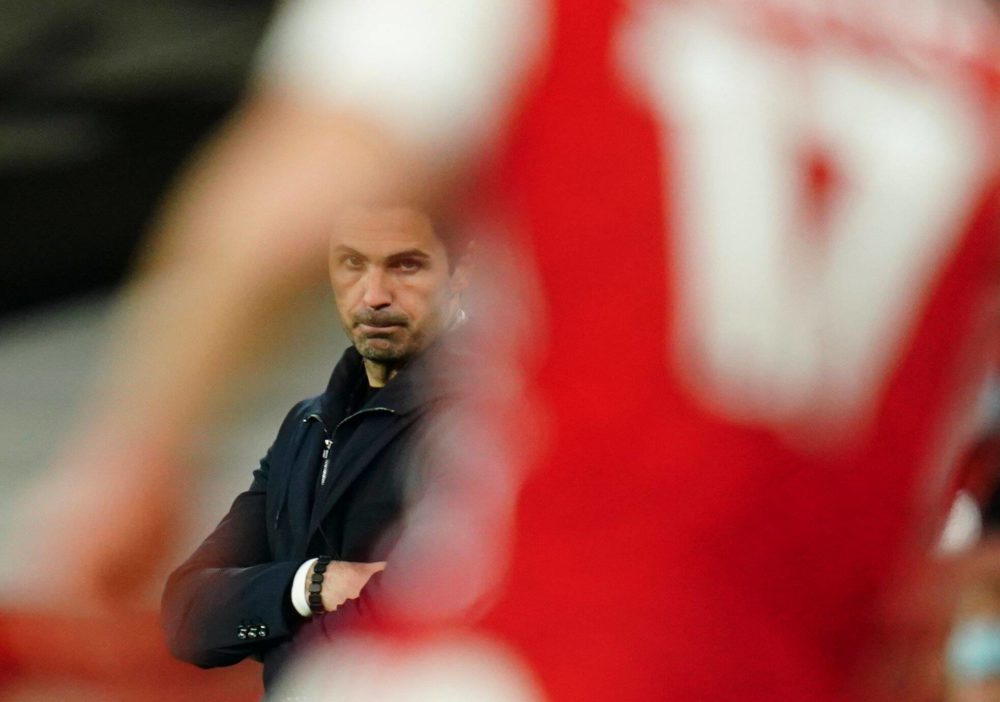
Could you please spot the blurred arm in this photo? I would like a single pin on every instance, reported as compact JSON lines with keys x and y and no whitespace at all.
{"x":244,"y":233}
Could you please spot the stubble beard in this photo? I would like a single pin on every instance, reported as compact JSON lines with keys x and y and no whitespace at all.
{"x":381,"y":350}
{"x":393,"y":349}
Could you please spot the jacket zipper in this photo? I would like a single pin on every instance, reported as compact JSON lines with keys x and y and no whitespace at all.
{"x":327,"y":443}
{"x":328,"y":440}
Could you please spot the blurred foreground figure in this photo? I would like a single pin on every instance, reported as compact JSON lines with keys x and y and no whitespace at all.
{"x":766,"y":237}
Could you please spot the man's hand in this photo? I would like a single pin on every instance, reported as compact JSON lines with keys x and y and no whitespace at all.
{"x":344,"y":581}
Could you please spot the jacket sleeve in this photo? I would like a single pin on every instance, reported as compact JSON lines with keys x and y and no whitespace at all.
{"x":229,"y":600}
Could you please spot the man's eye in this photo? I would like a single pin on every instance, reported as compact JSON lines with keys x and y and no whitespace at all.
{"x":409,"y":265}
{"x":353,"y":262}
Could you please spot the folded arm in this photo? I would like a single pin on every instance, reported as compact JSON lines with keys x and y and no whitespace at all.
{"x":229,"y":599}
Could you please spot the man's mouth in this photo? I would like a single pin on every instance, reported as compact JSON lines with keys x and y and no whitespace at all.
{"x":378,"y":329}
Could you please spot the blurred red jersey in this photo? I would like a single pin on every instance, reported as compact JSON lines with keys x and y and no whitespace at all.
{"x":766,"y":238}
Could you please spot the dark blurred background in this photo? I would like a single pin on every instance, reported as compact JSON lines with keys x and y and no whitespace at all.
{"x":102,"y":100}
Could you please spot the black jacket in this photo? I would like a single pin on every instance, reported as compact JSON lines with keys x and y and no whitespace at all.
{"x":231,"y":598}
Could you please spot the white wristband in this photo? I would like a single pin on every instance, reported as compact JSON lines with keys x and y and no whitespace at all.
{"x":299,"y":600}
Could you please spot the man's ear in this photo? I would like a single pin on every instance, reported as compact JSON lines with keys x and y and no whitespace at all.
{"x":462,"y":272}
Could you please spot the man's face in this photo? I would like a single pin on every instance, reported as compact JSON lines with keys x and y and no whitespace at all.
{"x":392,"y":284}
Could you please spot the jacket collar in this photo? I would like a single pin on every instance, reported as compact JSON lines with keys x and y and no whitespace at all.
{"x":426,"y":378}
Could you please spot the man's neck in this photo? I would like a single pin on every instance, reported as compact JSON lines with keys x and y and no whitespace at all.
{"x":378,"y":373}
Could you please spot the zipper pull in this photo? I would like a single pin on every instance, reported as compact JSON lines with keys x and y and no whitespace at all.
{"x":327,"y":443}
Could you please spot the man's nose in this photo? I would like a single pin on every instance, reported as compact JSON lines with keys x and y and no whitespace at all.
{"x":377,"y":294}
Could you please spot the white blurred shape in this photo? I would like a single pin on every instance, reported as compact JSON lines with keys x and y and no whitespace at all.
{"x":455,"y":668}
{"x":963,"y":527}
{"x":786,"y":319}
{"x":436,"y":73}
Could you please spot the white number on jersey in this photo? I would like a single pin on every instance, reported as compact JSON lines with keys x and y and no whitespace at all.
{"x":782,"y":318}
